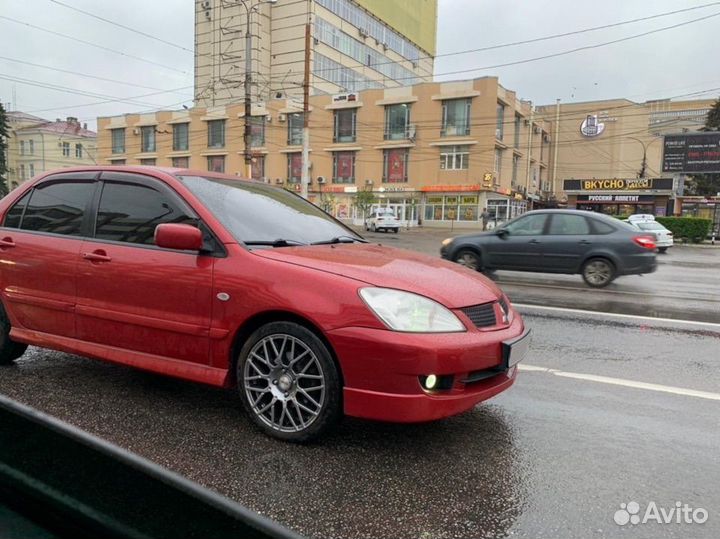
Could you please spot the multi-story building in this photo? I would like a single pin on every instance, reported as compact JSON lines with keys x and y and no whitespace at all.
{"x":356,"y":45}
{"x":435,"y":152}
{"x":36,"y":145}
{"x":602,"y":148}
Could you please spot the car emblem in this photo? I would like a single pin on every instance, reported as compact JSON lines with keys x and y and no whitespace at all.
{"x":223,"y":296}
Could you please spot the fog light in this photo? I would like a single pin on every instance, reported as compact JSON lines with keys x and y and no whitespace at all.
{"x":430,"y":381}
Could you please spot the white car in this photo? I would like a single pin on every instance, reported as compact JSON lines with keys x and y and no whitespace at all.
{"x":383,"y":219}
{"x":647,"y":223}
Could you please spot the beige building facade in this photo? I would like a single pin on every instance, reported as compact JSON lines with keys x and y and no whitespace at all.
{"x":355,"y":45}
{"x":607,"y":155}
{"x":36,"y":145}
{"x":434,"y":152}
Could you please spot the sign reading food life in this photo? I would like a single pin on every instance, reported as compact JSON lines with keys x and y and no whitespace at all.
{"x":691,"y":152}
{"x":619,"y":184}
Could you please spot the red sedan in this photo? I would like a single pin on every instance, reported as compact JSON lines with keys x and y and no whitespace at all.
{"x":240,"y":284}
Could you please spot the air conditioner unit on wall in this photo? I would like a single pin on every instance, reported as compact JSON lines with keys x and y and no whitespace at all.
{"x":206,"y":4}
{"x":281,"y":117}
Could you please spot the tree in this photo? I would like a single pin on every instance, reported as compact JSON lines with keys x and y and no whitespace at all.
{"x":707,"y":184}
{"x":363,"y":202}
{"x":4,"y":134}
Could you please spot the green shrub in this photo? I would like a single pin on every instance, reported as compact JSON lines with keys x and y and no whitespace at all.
{"x":686,"y":228}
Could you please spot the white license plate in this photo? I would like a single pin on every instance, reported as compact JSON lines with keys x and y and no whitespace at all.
{"x":514,"y":351}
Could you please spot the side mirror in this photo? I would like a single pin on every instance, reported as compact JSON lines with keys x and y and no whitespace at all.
{"x":501,"y":232}
{"x":178,"y":236}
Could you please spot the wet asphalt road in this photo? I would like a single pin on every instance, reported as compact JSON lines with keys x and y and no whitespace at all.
{"x":554,"y":456}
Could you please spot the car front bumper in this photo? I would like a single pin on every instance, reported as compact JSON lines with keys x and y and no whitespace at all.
{"x":382,"y":370}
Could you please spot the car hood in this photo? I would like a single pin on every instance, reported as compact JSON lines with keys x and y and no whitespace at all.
{"x":450,"y":284}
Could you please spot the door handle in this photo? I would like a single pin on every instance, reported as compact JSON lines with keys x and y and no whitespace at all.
{"x":97,"y":256}
{"x":535,"y":241}
{"x":7,"y":241}
{"x":584,"y":242}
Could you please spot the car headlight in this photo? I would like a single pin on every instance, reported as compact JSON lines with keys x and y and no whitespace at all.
{"x":446,"y":242}
{"x":405,"y":311}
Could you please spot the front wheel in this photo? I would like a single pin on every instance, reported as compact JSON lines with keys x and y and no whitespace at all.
{"x":396,"y":230}
{"x":663,"y":249}
{"x":288,"y":382}
{"x":598,"y":272}
{"x":9,"y":349}
{"x":469,"y":259}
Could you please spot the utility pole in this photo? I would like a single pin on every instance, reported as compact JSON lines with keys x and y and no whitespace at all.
{"x":528,"y":156}
{"x":248,"y":97}
{"x":305,"y":177}
{"x":557,"y":139}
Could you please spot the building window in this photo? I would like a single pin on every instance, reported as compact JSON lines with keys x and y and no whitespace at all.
{"x":497,"y":166}
{"x":21,"y":171}
{"x":515,"y":162}
{"x":454,"y":157}
{"x":216,"y":134}
{"x":147,"y":138}
{"x":216,"y":163}
{"x":181,"y":141}
{"x":395,"y":164}
{"x":455,"y":117}
{"x":543,"y":144}
{"x":345,"y":125}
{"x":257,"y":131}
{"x":66,"y":149}
{"x":31,"y":170}
{"x":294,"y":167}
{"x":500,"y":122}
{"x":295,"y":128}
{"x":344,"y":167}
{"x":118,"y":140}
{"x":257,"y":168}
{"x":181,"y":162}
{"x":397,"y":121}
{"x":78,"y":151}
{"x":518,"y":123}
{"x":117,"y":162}
{"x":31,"y":147}
{"x":22,"y":147}
{"x":149,"y":162}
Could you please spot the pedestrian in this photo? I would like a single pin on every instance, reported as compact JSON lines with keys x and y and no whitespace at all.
{"x":485,"y":216}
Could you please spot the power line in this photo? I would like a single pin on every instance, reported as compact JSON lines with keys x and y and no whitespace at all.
{"x":77,"y":73}
{"x":101,"y":47}
{"x":119,"y":25}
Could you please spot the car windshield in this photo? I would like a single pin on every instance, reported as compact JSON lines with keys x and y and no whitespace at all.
{"x":256,"y":213}
{"x":650,"y":226}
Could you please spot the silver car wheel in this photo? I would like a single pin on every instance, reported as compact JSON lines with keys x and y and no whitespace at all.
{"x":468,"y":259}
{"x":284,"y":383}
{"x":598,"y":273}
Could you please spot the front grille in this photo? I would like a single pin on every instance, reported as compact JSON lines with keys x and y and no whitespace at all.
{"x":481,"y":315}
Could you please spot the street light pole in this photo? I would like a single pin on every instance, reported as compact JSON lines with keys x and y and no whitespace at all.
{"x":643,"y":165}
{"x":247,"y":89}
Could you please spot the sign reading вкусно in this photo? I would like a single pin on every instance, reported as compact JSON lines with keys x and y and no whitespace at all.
{"x":619,"y":184}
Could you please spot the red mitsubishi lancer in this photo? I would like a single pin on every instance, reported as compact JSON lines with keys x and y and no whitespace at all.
{"x":241,"y":284}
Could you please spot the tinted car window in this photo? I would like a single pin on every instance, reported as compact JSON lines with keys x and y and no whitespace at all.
{"x":58,"y":207}
{"x":13,"y":216}
{"x":528,"y":225}
{"x":567,"y":224}
{"x":130,"y":213}
{"x":257,"y":212}
{"x":601,"y":228}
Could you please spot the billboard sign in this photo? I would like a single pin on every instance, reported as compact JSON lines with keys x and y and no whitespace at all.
{"x":691,"y":153}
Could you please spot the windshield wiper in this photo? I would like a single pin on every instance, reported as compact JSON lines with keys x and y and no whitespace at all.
{"x":339,"y":239}
{"x":280,"y":242}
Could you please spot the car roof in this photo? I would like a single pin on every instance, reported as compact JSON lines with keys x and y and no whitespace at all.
{"x":144,"y":169}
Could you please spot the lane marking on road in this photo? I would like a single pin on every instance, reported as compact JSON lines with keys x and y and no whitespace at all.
{"x":616,"y":315}
{"x":625,"y":383}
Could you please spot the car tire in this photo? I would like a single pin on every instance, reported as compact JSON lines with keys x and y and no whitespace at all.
{"x":468,"y":258}
{"x":662,"y":249}
{"x":9,"y":349}
{"x":282,"y":369}
{"x":396,"y":230}
{"x":598,"y":272}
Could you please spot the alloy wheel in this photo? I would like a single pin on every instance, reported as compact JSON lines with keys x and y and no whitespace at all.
{"x":284,"y":383}
{"x":468,"y":259}
{"x":598,"y":273}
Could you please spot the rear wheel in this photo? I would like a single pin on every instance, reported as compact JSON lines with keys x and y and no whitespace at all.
{"x":469,"y":259}
{"x":288,"y":382}
{"x":598,"y":272}
{"x":9,"y":349}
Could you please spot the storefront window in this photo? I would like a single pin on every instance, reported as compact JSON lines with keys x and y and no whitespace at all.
{"x":468,"y":208}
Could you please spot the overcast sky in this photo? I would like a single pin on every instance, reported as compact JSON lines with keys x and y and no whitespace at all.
{"x":668,"y":63}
